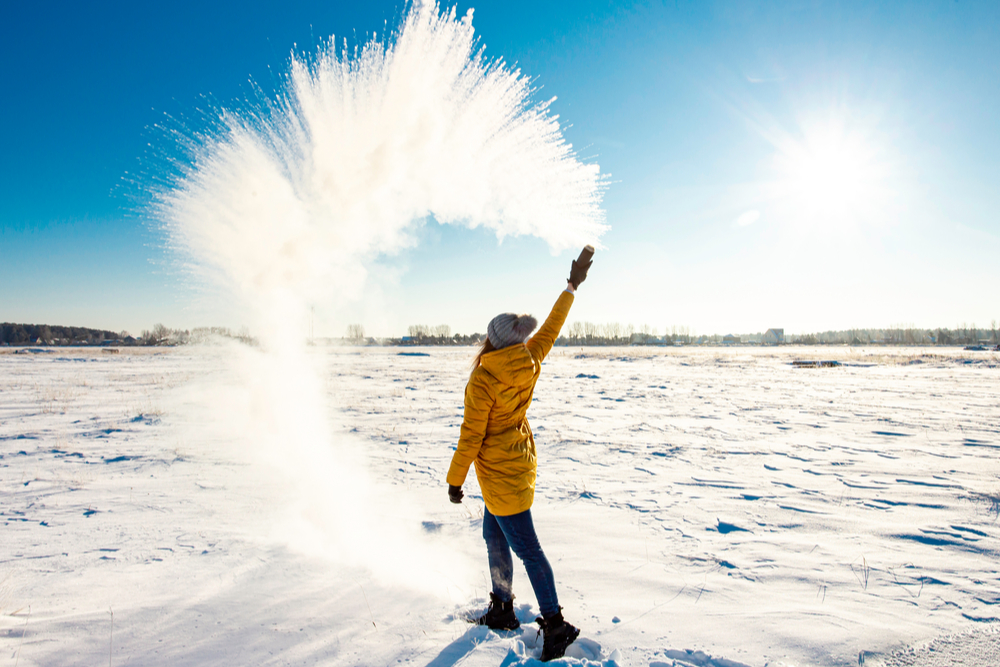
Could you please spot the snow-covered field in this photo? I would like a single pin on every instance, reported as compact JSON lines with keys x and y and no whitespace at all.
{"x":693,"y":502}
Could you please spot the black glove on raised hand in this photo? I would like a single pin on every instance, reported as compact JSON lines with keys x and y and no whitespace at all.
{"x":579,"y":272}
{"x":455,"y":494}
{"x":581,"y":264}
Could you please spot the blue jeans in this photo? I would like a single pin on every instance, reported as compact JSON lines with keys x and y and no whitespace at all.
{"x":517,"y":532}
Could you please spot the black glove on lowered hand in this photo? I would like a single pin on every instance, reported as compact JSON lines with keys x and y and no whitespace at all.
{"x":455,"y":494}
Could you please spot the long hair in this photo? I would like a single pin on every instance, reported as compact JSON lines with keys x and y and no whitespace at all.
{"x":485,"y":348}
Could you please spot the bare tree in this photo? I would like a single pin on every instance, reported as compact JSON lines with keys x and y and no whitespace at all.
{"x":355,"y":332}
{"x":160,"y":334}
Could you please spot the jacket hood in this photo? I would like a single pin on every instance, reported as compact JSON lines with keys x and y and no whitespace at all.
{"x":513,"y":366}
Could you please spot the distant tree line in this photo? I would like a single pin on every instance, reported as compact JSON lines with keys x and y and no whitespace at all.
{"x":576,"y":333}
{"x":421,"y":334}
{"x":588,"y":333}
{"x":49,"y":334}
{"x":418,"y":334}
{"x":964,"y":334}
{"x":161,"y":335}
{"x":615,"y":333}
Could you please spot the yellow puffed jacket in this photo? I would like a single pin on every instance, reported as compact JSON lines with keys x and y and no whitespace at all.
{"x":495,"y":431}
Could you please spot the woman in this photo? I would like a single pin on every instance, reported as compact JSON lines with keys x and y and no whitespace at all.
{"x":497,"y":438}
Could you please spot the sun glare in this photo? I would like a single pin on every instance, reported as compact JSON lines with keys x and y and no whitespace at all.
{"x":831,"y":173}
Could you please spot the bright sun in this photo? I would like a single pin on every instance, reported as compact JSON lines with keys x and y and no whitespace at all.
{"x":830,"y":173}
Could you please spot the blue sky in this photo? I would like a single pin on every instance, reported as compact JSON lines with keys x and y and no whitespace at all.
{"x":806,"y":165}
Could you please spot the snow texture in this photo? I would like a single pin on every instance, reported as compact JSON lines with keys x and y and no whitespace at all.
{"x":700,"y":507}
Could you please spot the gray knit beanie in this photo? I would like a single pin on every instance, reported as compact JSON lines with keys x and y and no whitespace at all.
{"x":509,"y":329}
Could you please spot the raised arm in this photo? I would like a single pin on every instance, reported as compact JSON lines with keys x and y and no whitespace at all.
{"x":541,"y":343}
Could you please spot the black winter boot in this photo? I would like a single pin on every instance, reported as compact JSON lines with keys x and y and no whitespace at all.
{"x":557,"y":635}
{"x":500,"y":615}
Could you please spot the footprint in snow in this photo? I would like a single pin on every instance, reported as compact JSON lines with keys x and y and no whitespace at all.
{"x":528,"y":648}
{"x":525,"y":644}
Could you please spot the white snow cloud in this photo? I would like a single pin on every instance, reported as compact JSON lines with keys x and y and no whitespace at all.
{"x":291,"y":204}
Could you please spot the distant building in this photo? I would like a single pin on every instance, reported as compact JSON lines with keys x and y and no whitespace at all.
{"x":730,"y":339}
{"x":774,"y":337}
